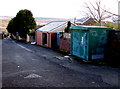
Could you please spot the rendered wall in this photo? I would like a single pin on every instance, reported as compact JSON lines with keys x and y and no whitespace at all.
{"x":39,"y":38}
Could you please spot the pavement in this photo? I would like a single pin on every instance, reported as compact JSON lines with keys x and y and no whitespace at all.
{"x":25,"y":65}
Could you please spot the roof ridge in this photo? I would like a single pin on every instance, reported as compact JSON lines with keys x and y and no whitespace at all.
{"x":85,"y":19}
{"x":57,"y":26}
{"x":51,"y":26}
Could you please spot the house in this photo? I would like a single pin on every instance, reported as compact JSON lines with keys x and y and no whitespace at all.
{"x":85,"y":21}
{"x":48,"y":34}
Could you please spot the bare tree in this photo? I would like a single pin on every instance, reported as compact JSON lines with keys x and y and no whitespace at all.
{"x":97,"y":11}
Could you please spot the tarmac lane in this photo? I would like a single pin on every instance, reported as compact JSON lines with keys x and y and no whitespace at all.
{"x":26,"y":65}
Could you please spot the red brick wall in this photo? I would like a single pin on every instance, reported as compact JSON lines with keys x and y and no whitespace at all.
{"x":65,"y":44}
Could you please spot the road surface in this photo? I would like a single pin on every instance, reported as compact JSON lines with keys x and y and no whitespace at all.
{"x":25,"y":65}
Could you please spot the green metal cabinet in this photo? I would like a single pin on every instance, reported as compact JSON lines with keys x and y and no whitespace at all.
{"x":88,"y":42}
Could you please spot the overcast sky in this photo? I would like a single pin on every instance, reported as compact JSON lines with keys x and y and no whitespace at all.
{"x":52,"y":8}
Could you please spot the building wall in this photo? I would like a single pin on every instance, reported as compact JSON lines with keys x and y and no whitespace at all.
{"x":88,"y":22}
{"x":50,"y":39}
{"x":65,"y":42}
{"x":39,"y":38}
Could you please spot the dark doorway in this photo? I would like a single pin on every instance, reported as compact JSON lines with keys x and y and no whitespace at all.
{"x":53,"y":40}
{"x":44,"y":35}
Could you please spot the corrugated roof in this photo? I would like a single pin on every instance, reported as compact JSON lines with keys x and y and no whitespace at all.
{"x":51,"y":26}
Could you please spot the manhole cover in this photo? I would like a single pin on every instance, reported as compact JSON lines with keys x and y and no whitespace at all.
{"x":33,"y":76}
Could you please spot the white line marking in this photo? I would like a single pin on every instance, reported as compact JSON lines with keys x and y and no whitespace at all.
{"x":33,"y":76}
{"x":22,"y":47}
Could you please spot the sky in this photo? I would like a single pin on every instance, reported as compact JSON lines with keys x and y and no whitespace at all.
{"x":52,"y":8}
